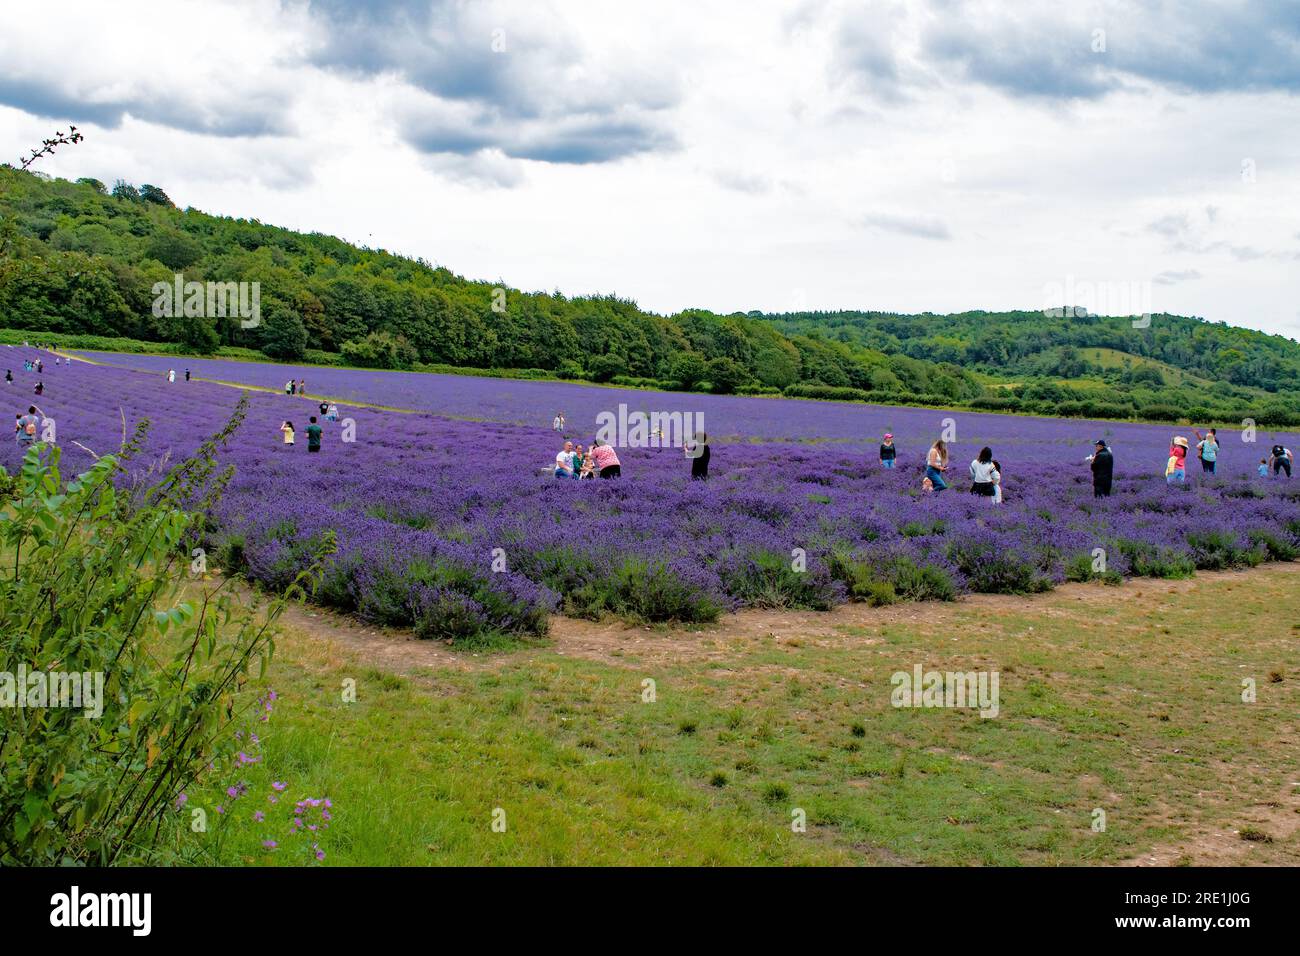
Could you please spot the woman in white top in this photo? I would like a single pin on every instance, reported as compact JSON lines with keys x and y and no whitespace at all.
{"x":936,"y":463}
{"x":982,"y":474}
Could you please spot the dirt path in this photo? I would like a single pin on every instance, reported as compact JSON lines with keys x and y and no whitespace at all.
{"x":615,"y":642}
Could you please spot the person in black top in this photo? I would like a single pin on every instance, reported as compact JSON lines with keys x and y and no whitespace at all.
{"x":888,"y":452}
{"x":1103,"y":469}
{"x":187,"y":375}
{"x":697,"y":451}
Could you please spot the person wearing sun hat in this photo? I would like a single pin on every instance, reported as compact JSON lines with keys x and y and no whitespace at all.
{"x":888,"y":453}
{"x":1176,"y":467}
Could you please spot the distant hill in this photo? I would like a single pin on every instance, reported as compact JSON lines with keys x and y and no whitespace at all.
{"x":80,"y":261}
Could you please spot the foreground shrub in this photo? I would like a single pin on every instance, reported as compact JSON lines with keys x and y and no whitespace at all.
{"x":100,"y":591}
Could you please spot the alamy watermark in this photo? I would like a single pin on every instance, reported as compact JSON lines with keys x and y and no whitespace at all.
{"x":1131,"y":299}
{"x":921,"y":688}
{"x":39,"y":688}
{"x":209,"y":300}
{"x":624,"y":429}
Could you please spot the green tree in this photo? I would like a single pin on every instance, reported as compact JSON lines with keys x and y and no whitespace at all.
{"x":283,"y":334}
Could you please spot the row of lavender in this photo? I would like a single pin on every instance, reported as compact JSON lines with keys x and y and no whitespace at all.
{"x":1016,"y":439}
{"x":453,"y":528}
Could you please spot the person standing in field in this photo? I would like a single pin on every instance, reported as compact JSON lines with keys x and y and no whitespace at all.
{"x":936,"y":463}
{"x":302,"y":386}
{"x":187,"y":375}
{"x":1103,"y":469}
{"x":288,"y":387}
{"x":1263,"y":468}
{"x":1281,"y":459}
{"x":1176,"y":466}
{"x":171,"y":375}
{"x":888,"y":453}
{"x":697,"y":450}
{"x":1207,"y":450}
{"x":997,"y":482}
{"x":287,"y":429}
{"x":333,"y":413}
{"x":982,"y":471}
{"x":25,"y":426}
{"x":324,"y":409}
{"x":313,"y":435}
{"x":557,"y":423}
{"x":40,"y":388}
{"x":606,"y":460}
{"x":9,"y":376}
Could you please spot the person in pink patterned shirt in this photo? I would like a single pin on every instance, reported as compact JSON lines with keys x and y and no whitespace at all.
{"x":606,"y":459}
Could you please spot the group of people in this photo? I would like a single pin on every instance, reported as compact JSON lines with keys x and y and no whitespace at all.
{"x":295,"y":388}
{"x":329,"y":411}
{"x":598,"y":461}
{"x":313,"y":434}
{"x":601,"y":460}
{"x":32,"y":365}
{"x":985,"y":471}
{"x":171,"y":375}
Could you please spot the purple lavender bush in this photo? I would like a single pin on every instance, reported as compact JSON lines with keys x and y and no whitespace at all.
{"x":454,"y":525}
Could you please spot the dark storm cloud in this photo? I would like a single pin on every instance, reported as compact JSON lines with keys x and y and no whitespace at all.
{"x":244,"y":117}
{"x":1041,"y":51}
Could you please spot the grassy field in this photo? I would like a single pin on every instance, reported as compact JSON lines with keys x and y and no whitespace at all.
{"x":1123,"y":699}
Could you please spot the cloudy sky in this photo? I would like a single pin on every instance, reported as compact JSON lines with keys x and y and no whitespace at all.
{"x":934,"y":155}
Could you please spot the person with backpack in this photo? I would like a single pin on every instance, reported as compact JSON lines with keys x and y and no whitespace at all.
{"x":1207,"y":450}
{"x":27,"y":425}
{"x":1281,"y":460}
{"x":1103,"y":469}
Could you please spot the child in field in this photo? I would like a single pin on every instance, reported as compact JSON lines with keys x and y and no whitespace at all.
{"x":1263,"y":468}
{"x":1176,"y":466}
{"x":927,"y":485}
{"x":287,"y":428}
{"x":997,"y":482}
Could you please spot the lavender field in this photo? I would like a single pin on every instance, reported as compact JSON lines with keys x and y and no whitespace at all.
{"x":446,"y":523}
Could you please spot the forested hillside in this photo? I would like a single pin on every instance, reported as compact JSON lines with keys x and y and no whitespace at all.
{"x":80,"y":259}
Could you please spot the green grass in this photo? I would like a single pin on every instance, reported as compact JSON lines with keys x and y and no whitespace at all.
{"x":1111,"y":700}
